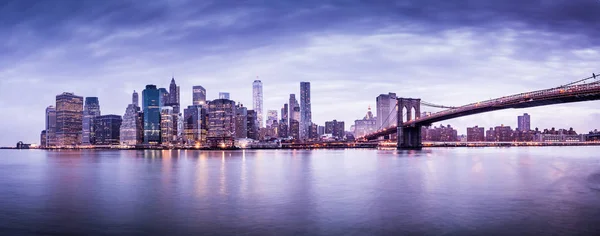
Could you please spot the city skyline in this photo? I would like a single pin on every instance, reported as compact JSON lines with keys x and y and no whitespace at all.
{"x":525,"y":53}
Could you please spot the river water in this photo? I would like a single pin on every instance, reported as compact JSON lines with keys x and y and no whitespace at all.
{"x":438,"y":191}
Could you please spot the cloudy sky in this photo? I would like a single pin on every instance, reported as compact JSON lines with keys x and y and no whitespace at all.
{"x":445,"y":52}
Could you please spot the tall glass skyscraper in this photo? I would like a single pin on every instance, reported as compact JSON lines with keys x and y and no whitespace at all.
{"x":387,"y":112}
{"x":69,"y":119}
{"x":257,"y":101}
{"x":199,"y":96}
{"x":135,"y":99}
{"x":305,"y":110}
{"x":293,"y":115}
{"x":91,"y":110}
{"x":151,"y":106}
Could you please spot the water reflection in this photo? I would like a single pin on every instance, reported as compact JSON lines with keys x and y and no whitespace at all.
{"x":458,"y":191}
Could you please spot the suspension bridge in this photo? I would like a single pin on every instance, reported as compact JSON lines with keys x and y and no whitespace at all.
{"x":407,"y":127}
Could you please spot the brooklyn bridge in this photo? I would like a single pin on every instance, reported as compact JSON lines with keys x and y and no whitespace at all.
{"x":409,"y":122}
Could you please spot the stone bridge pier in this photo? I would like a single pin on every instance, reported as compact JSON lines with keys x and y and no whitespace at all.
{"x":409,"y":137}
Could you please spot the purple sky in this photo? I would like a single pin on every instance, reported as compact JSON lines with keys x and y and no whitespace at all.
{"x":444,"y":52}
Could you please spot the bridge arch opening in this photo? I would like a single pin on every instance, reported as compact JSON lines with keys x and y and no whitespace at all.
{"x":413,"y":113}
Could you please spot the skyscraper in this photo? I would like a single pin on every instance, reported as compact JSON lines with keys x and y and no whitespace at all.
{"x":252,"y":125}
{"x":241,"y":121}
{"x":69,"y":119}
{"x":163,"y":97}
{"x":135,"y":99}
{"x":386,"y":110}
{"x":107,"y":129}
{"x":166,"y":125}
{"x":199,"y":95}
{"x":257,"y":101}
{"x":50,"y":126}
{"x":366,"y":125}
{"x":131,"y":131}
{"x":223,"y":95}
{"x":195,"y":123}
{"x":524,"y":123}
{"x":271,"y":117}
{"x":151,"y":106}
{"x":292,"y":112}
{"x":305,"y":110}
{"x":90,"y":111}
{"x":174,"y":102}
{"x":335,"y":128}
{"x":221,"y":123}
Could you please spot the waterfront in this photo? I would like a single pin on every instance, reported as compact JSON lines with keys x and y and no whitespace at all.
{"x":437,"y":191}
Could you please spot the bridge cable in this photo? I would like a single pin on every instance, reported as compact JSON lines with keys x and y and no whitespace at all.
{"x":594,"y":76}
{"x":436,"y":105}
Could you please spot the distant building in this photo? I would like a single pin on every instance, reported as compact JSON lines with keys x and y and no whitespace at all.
{"x":271,"y":117}
{"x":221,"y":123}
{"x":43,"y":139}
{"x":50,"y":126}
{"x":387,"y":113}
{"x":321,"y":130}
{"x":475,"y":134}
{"x":313,"y":132}
{"x":241,"y":122}
{"x":335,"y":128}
{"x":503,"y":133}
{"x":524,"y":122}
{"x":223,"y":95}
{"x":294,"y":112}
{"x":305,"y":110}
{"x":439,"y":134}
{"x":132,"y":126}
{"x":174,"y":103}
{"x":195,"y":125}
{"x":283,"y":129}
{"x":69,"y":119}
{"x":163,"y":97}
{"x":151,"y":107}
{"x":252,"y":125}
{"x":90,"y":111}
{"x":490,"y":135}
{"x":257,"y":101}
{"x":295,"y":129}
{"x":107,"y":130}
{"x":199,"y":96}
{"x":166,"y":125}
{"x":366,"y":125}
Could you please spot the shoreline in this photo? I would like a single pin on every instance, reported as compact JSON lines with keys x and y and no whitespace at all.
{"x":340,"y":146}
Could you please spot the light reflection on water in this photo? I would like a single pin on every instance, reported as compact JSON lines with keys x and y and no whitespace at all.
{"x":455,"y":191}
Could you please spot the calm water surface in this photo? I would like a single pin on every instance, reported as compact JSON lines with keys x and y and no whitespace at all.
{"x":485,"y":191}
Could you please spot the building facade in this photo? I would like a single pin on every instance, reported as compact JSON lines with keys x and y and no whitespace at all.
{"x":257,"y":101}
{"x":198,"y":96}
{"x":69,"y":119}
{"x":167,"y":135}
{"x":335,"y":128}
{"x":475,"y":134}
{"x":195,"y":125}
{"x":223,"y":95}
{"x":241,"y":122}
{"x":366,"y":125}
{"x":252,"y":125}
{"x":132,"y":130}
{"x":387,"y":113}
{"x":305,"y":110}
{"x":151,"y":98}
{"x":50,"y":126}
{"x":524,"y":122}
{"x":107,"y":130}
{"x":91,"y":110}
{"x":221,"y":123}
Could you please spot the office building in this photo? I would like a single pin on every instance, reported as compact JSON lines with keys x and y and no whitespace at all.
{"x":503,"y":133}
{"x":90,"y":111}
{"x":50,"y":126}
{"x":199,"y":96}
{"x":107,"y":130}
{"x":475,"y":134}
{"x":305,"y":110}
{"x":439,"y":134}
{"x":151,"y":98}
{"x":293,"y":104}
{"x":132,"y":131}
{"x":366,"y":125}
{"x":524,"y":122}
{"x":252,"y":125}
{"x":163,"y":97}
{"x":43,"y":139}
{"x":69,"y":119}
{"x":271,"y":117}
{"x":195,"y":125}
{"x":387,"y":112}
{"x":335,"y":128}
{"x":257,"y":101}
{"x":241,"y":121}
{"x":221,"y":123}
{"x":174,"y":102}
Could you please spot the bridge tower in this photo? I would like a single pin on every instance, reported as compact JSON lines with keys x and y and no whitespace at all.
{"x":409,"y":137}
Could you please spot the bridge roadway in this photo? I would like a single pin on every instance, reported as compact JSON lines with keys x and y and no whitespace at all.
{"x":563,"y":94}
